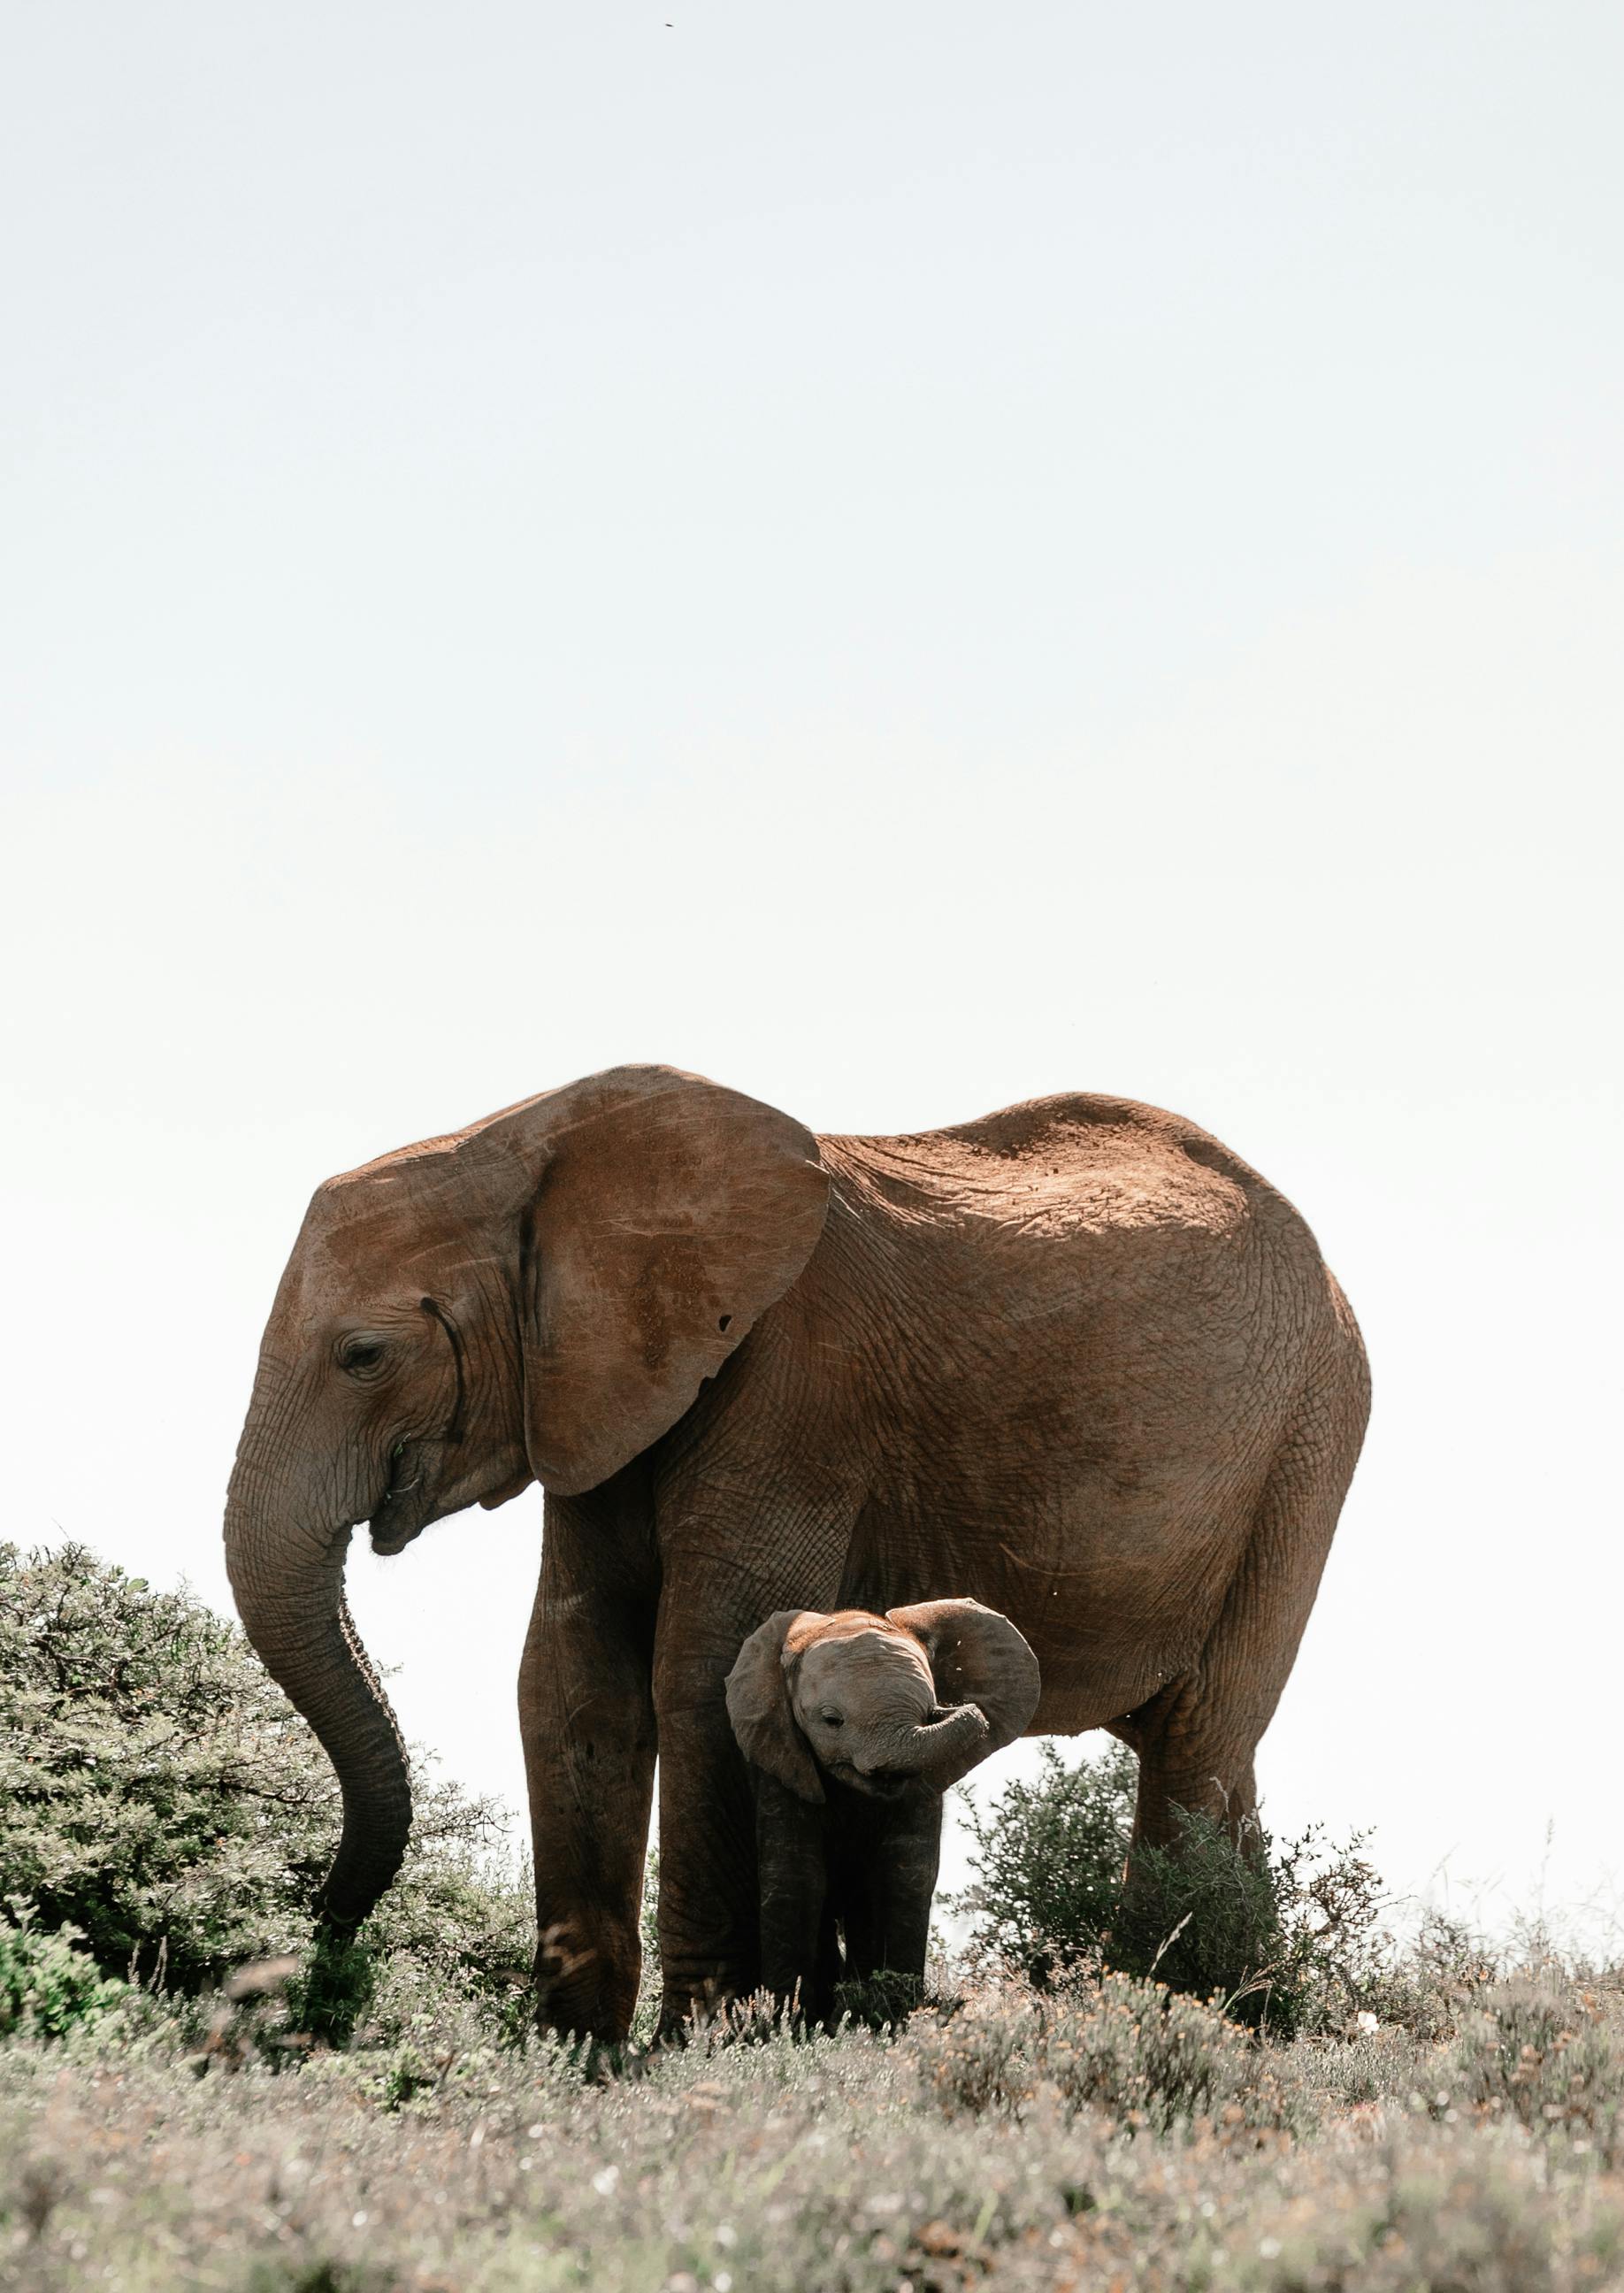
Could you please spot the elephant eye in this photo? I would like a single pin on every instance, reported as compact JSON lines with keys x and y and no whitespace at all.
{"x":360,"y":1353}
{"x":832,"y":1720}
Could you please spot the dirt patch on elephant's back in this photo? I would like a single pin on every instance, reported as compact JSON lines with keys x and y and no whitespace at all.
{"x":1058,"y":1166}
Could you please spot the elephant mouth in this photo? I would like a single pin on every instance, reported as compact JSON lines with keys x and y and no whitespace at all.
{"x":390,"y":1541}
{"x":882,"y":1788}
{"x":405,"y":1507}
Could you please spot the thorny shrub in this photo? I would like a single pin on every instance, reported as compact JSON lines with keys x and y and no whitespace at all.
{"x":1287,"y":1935}
{"x":159,"y":1792}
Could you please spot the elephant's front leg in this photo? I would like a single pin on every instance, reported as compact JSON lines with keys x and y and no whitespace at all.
{"x":887,"y":1882}
{"x":587,"y":1719}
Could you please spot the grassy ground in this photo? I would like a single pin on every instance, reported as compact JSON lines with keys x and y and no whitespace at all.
{"x":164,"y":1817}
{"x":1110,"y":2138}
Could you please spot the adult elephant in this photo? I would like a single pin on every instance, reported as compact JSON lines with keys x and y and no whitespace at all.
{"x":1075,"y":1361}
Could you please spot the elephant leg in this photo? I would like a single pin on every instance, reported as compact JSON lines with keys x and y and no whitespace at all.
{"x":831,"y":1960}
{"x":586,"y":1720}
{"x":1194,"y":1754}
{"x":888,"y":1882}
{"x":853,"y":1892}
{"x":710,"y":1905}
{"x":909,"y":1863}
{"x":795,"y":1924}
{"x":709,"y":1898}
{"x":1197,"y":1738}
{"x":709,"y":1908}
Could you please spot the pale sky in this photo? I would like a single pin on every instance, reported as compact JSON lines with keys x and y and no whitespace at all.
{"x":903,"y":556}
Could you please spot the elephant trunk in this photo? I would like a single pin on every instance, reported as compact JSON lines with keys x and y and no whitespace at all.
{"x":939,"y":1752}
{"x":289,"y":1584}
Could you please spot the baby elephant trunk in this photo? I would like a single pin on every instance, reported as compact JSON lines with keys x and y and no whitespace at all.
{"x":940,"y":1751}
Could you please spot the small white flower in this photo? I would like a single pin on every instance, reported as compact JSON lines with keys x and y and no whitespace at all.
{"x":726,"y":2234}
{"x":357,"y":2221}
{"x":1368,"y":2022}
{"x":608,"y":2182}
{"x":722,"y":2280}
{"x":1269,"y":2247}
{"x":534,"y":2133}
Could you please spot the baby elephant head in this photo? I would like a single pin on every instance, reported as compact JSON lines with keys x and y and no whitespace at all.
{"x":914,"y":1697}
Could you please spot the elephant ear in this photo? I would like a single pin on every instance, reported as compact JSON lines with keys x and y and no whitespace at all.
{"x":976,"y":1656}
{"x":668,"y":1214}
{"x":758,"y":1703}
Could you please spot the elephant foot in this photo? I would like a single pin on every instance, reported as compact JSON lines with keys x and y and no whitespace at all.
{"x":583,"y":1992}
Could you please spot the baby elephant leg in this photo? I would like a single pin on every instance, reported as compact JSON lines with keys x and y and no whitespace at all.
{"x":886,"y":1880}
{"x":796,"y":1932}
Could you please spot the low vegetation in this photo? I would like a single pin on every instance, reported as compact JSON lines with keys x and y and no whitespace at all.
{"x":1112,"y":2132}
{"x":160,"y":1799}
{"x":1291,"y":1936}
{"x":1080,"y":2104}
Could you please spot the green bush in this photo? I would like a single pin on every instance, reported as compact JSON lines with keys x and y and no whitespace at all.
{"x":1287,"y":1936}
{"x":1206,"y":1914}
{"x":47,"y":1987}
{"x":159,"y":1794}
{"x":1049,"y":1857}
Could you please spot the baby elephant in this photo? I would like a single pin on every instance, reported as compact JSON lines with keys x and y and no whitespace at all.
{"x":854,"y":1726}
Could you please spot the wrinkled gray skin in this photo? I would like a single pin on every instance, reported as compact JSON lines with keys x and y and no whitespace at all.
{"x":850,"y":1746}
{"x":1075,"y":1359}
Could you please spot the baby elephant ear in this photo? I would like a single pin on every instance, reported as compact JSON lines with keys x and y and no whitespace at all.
{"x":758,"y":1706}
{"x":976,"y":1656}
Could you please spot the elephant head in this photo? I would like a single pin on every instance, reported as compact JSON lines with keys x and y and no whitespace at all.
{"x":919,"y":1695}
{"x":538,"y":1297}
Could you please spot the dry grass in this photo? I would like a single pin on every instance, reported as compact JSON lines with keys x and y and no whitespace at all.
{"x":1109,"y":2138}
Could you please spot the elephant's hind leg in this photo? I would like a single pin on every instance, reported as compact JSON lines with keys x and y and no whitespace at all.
{"x":1197,"y":1738}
